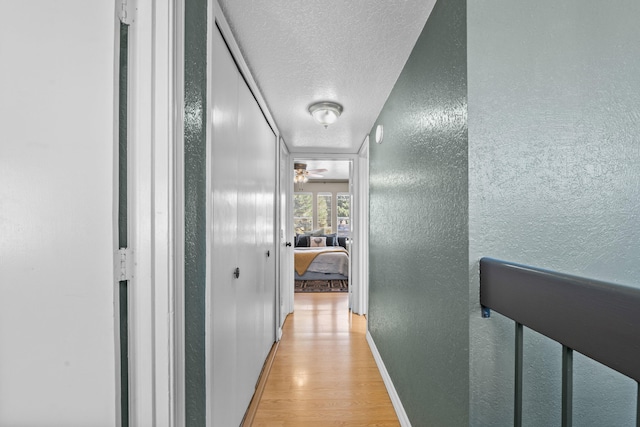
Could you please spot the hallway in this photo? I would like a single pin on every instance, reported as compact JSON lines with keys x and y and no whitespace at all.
{"x":324,"y":373}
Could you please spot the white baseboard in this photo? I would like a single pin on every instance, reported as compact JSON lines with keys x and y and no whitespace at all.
{"x":395,"y":399}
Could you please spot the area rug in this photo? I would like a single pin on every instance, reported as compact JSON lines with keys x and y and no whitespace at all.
{"x":321,"y":286}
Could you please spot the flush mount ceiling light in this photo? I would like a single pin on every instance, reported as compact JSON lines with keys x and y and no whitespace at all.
{"x":325,"y":113}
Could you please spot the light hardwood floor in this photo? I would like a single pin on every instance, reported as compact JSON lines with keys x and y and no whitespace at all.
{"x":324,"y":373}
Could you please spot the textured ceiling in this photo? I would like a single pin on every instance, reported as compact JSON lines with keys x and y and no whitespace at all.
{"x":348,"y":51}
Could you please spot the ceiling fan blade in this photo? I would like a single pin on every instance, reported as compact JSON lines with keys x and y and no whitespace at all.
{"x":316,"y":170}
{"x":314,"y":175}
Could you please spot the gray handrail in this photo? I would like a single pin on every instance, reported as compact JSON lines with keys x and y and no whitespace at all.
{"x":598,"y":319}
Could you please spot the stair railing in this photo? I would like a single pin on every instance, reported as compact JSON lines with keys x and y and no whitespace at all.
{"x":598,"y":319}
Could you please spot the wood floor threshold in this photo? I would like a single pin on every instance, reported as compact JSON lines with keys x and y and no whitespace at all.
{"x":250,"y":415}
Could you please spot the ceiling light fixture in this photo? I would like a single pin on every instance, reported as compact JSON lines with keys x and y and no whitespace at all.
{"x":300,"y":180}
{"x":325,"y":113}
{"x":379,"y":134}
{"x":301,"y":175}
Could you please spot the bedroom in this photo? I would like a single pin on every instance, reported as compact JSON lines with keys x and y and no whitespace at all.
{"x":322,"y":223}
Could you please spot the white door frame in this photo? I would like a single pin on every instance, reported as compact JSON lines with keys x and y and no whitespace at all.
{"x":155,"y":135}
{"x":363,"y":225}
{"x":358,"y":250}
{"x":285,"y":264}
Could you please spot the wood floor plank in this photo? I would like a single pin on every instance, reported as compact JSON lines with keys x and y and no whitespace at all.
{"x":324,"y":373}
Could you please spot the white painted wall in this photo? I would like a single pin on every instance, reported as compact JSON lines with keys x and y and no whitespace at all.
{"x":57,"y":357}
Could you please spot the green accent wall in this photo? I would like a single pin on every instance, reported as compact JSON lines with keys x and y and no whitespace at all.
{"x":122,"y":135}
{"x":195,"y":86}
{"x":123,"y":229}
{"x":554,"y":182}
{"x":418,"y":304}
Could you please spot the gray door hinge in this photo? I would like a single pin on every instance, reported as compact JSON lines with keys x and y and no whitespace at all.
{"x":127,"y":11}
{"x":124,"y":264}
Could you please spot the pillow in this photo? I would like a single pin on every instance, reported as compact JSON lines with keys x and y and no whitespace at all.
{"x":318,"y":242}
{"x":303,"y":240}
{"x":332,"y":239}
{"x":342,"y":241}
{"x":319,"y":232}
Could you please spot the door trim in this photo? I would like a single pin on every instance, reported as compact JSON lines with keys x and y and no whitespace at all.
{"x":357,"y":212}
{"x":285,"y":265}
{"x":155,"y":137}
{"x":363,"y":225}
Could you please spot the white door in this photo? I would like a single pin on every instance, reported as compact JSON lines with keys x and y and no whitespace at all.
{"x":251,"y":251}
{"x":242,"y":276}
{"x":255,"y":315}
{"x":57,"y":175}
{"x":248,"y":301}
{"x":266,"y":225}
{"x":224,"y":255}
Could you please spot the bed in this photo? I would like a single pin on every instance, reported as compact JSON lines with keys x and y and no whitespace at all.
{"x":325,"y":262}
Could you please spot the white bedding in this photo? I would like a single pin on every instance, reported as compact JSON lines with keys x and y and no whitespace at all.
{"x":328,"y":262}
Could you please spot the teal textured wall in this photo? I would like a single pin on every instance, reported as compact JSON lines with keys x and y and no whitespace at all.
{"x":418,"y":311}
{"x":554,"y":149}
{"x":195,"y":89}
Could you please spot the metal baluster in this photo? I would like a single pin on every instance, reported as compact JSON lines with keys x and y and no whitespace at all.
{"x":517,"y":415}
{"x":638,"y":407}
{"x":567,"y":386}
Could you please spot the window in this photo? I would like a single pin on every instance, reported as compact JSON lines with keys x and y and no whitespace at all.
{"x":324,"y":211}
{"x":344,"y":214}
{"x":302,"y":212}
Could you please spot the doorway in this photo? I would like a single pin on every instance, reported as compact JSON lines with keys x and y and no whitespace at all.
{"x":323,"y":214}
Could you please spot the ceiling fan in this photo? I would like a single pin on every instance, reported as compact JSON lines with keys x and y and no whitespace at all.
{"x":302,"y":174}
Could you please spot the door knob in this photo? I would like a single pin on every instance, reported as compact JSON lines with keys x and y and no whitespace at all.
{"x":288,"y":244}
{"x":236,"y":272}
{"x":268,"y":254}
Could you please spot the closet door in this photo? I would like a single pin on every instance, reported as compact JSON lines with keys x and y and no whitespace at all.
{"x":249,"y":299}
{"x":256,"y":289}
{"x":261,"y":143}
{"x":266,"y":149}
{"x":242,"y":318}
{"x":224,"y":226}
